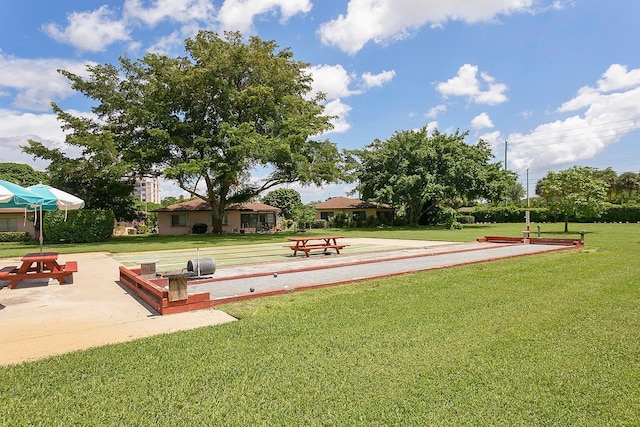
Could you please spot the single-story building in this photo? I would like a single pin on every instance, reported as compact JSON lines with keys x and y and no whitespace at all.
{"x":238,"y":218}
{"x":354,"y":208}
{"x":13,"y":219}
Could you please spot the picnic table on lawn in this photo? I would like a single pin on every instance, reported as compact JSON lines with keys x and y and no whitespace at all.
{"x":39,"y":266}
{"x":324,"y":243}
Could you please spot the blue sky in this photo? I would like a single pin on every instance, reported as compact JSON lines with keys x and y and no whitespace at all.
{"x":558,"y":79}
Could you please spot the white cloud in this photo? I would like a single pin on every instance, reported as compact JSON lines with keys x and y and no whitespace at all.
{"x":90,"y":31}
{"x":19,"y":124}
{"x":610,"y":111}
{"x":431,"y":127}
{"x":481,"y":121}
{"x":238,"y":15}
{"x":167,"y":44}
{"x":36,"y":82}
{"x":335,"y":82}
{"x":332,"y":80}
{"x":435,"y":111}
{"x":383,"y":21}
{"x":337,"y":108}
{"x":480,"y":91}
{"x":170,"y":10}
{"x":617,"y":77}
{"x":493,"y":138}
{"x":376,"y":80}
{"x":96,"y":30}
{"x":17,"y":128}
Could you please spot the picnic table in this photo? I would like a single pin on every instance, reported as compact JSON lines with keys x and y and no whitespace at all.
{"x":38,"y":266}
{"x":324,"y":243}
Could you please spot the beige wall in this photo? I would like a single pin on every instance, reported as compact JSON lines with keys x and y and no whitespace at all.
{"x":164,"y":223}
{"x":20,"y":222}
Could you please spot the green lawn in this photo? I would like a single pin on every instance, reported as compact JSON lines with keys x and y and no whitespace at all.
{"x":550,"y":339}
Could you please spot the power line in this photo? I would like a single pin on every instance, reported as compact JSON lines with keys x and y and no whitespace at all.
{"x":585,"y":131}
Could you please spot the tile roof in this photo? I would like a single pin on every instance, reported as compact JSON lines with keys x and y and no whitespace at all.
{"x":347,"y":203}
{"x":201,"y":205}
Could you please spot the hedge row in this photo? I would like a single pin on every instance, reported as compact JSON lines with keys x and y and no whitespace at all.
{"x":613,"y":213}
{"x":80,"y":226}
{"x":14,"y":236}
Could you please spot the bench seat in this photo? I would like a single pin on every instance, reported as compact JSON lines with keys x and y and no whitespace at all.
{"x":70,"y":267}
{"x":8,"y":270}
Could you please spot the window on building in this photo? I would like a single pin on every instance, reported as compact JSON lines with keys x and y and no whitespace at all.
{"x":249,"y":220}
{"x":8,"y":224}
{"x":326,"y":215}
{"x":225,"y":219}
{"x":362,"y":215}
{"x":179,"y":220}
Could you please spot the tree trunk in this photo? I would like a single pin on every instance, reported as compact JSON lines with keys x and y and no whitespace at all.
{"x":566,"y":224}
{"x":217,"y":215}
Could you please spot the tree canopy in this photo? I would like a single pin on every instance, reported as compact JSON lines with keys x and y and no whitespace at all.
{"x":99,"y":176}
{"x":22,"y":174}
{"x":419,"y":171}
{"x":287,"y":199}
{"x":626,"y":184}
{"x":577,"y":191}
{"x":208,"y":119}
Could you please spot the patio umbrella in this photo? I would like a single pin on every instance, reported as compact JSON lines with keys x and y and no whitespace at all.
{"x":14,"y":196}
{"x":54,"y":199}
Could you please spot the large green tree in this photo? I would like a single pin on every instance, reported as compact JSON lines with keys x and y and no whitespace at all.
{"x":287,"y":199}
{"x":22,"y":174}
{"x":210,"y":118}
{"x":574,"y":192}
{"x":610,"y":177}
{"x":99,"y":176}
{"x":626,"y":184}
{"x":419,"y":171}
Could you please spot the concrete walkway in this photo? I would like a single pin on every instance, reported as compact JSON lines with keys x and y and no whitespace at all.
{"x":44,"y":318}
{"x":41,"y":319}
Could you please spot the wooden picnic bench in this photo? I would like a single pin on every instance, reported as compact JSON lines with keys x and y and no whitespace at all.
{"x":308,"y":244}
{"x":39,"y":266}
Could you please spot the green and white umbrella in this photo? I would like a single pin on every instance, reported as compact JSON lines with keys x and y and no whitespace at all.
{"x":14,"y":196}
{"x":54,"y":199}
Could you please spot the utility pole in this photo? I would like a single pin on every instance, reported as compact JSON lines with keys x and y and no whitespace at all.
{"x":528,"y":213}
{"x":505,"y":154}
{"x":506,"y":196}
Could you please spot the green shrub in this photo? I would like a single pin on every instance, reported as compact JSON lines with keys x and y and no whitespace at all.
{"x":466,"y":219}
{"x":319,"y":223}
{"x":611,"y":213}
{"x":620,"y":213}
{"x":199,"y":228}
{"x":14,"y":236}
{"x":372,"y":221}
{"x":511,"y":214}
{"x":81,"y":226}
{"x":341,"y":220}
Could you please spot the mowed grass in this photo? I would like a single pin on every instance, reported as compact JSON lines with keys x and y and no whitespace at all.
{"x":550,"y":339}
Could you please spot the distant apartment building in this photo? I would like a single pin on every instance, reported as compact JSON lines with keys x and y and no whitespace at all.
{"x":147,"y":190}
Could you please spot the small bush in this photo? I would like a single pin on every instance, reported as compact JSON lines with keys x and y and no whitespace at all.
{"x":319,"y":223}
{"x":372,"y":221}
{"x":341,"y":220}
{"x":14,"y":236}
{"x":466,"y":219}
{"x":199,"y":228}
